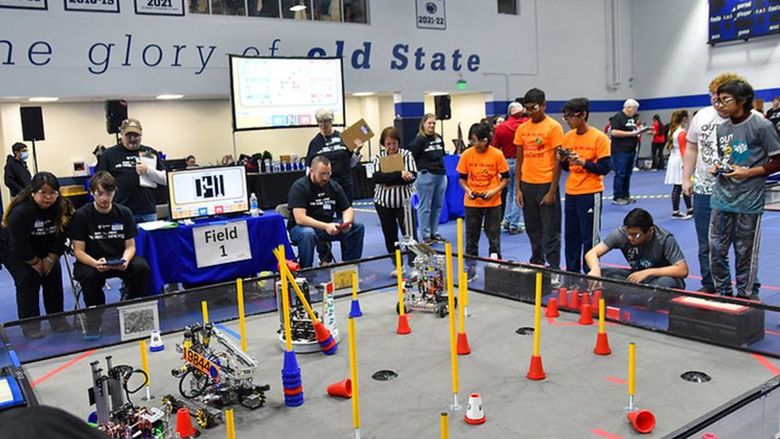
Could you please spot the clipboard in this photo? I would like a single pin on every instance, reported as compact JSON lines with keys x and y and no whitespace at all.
{"x":357,"y":131}
{"x":392,"y":163}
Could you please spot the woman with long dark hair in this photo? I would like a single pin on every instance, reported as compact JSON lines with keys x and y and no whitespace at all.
{"x":36,"y":220}
{"x":659,"y":140}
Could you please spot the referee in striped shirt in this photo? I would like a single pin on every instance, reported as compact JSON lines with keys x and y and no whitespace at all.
{"x":392,"y":190}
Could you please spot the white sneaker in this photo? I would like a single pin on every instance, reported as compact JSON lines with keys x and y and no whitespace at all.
{"x":394,"y":273}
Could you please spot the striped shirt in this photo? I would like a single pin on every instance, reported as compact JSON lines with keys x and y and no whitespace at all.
{"x":392,"y":195}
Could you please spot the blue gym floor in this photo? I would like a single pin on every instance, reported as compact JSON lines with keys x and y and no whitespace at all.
{"x":646,"y":186}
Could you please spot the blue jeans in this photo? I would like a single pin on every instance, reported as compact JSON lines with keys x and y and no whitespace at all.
{"x":307,"y":238}
{"x":511,"y":210}
{"x":145,"y":217}
{"x":701,"y":218}
{"x":431,"y":189}
{"x":623,"y":164}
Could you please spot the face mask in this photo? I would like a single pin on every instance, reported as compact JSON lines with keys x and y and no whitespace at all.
{"x":24,"y":155}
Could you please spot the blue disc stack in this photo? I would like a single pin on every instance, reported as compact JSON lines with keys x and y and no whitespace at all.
{"x":291,"y":380}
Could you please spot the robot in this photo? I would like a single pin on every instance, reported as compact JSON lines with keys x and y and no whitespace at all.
{"x":427,"y":274}
{"x":216,"y":373}
{"x":304,"y":339}
{"x":115,"y":415}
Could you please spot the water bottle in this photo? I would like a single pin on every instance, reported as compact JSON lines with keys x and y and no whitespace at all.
{"x":254,"y":207}
{"x":267,"y":163}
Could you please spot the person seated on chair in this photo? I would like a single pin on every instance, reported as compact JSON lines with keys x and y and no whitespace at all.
{"x":652,"y":252}
{"x":35,"y":221}
{"x":314,"y":201}
{"x":103,"y":235}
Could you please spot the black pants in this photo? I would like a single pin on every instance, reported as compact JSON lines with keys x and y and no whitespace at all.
{"x":676,"y":192}
{"x":391,"y":219}
{"x":28,"y":282}
{"x":543,"y":224}
{"x":658,"y":155}
{"x":475,"y":218}
{"x":135,"y":277}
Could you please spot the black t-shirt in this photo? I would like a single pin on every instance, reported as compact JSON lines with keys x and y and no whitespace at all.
{"x":428,"y":152}
{"x":321,"y":203}
{"x":104,"y":234}
{"x":624,"y":123}
{"x":774,"y":117}
{"x":337,"y":152}
{"x":120,"y":162}
{"x":32,"y":231}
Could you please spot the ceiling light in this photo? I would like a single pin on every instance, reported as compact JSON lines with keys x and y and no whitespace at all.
{"x":297,"y":8}
{"x":169,"y":97}
{"x":363,"y":93}
{"x":437,"y":93}
{"x":44,"y":99}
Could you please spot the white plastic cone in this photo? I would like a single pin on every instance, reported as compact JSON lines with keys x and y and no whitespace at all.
{"x":475,"y":415}
{"x":155,"y":342}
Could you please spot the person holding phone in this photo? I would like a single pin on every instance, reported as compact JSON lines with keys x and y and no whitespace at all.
{"x":103,"y":235}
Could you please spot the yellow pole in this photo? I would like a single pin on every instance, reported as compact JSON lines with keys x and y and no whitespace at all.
{"x":230,"y":424}
{"x":631,"y":369}
{"x":459,"y":223}
{"x":286,"y":311}
{"x":601,"y":316}
{"x":297,"y":290}
{"x":354,"y":285}
{"x":205,"y":309}
{"x":241,"y":315}
{"x":399,"y":278}
{"x":453,"y":339}
{"x":145,"y":362}
{"x":353,"y":371}
{"x":445,"y":424}
{"x":462,"y":288}
{"x":537,"y":313}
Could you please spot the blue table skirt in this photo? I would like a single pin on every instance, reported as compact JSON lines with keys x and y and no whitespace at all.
{"x":171,"y":252}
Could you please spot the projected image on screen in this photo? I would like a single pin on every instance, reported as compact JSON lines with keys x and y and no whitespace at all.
{"x":207,"y":191}
{"x":278,"y":92}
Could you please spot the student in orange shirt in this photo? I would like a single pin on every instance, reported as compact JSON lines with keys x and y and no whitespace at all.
{"x":585,"y":156}
{"x":484,"y":173}
{"x":538,"y":172}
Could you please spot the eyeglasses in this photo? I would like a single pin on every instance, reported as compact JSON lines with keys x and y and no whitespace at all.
{"x":102,"y":194}
{"x":571,"y":115}
{"x":722,"y":102}
{"x":634,"y":236}
{"x":532,"y":108}
{"x":49,"y":194}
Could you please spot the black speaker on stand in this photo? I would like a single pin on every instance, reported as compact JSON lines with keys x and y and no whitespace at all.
{"x":443,"y":109}
{"x":116,"y":113}
{"x":32,"y":129}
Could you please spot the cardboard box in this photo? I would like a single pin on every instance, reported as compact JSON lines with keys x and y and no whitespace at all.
{"x":357,"y":131}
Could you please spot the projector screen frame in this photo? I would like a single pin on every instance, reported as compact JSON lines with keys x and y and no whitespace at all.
{"x":233,"y":97}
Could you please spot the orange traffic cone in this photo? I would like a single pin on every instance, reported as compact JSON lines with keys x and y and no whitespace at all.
{"x":463,"y":344}
{"x":586,"y":315}
{"x":403,"y":325}
{"x":595,"y":301}
{"x":563,"y":301}
{"x":643,"y":421}
{"x":586,"y":299}
{"x":184,"y":424}
{"x":602,"y":344}
{"x":475,"y":415}
{"x":342,"y":389}
{"x":574,"y":299}
{"x":536,"y":371}
{"x":552,"y":308}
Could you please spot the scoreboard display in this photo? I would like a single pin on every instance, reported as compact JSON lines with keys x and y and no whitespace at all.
{"x":732,"y":20}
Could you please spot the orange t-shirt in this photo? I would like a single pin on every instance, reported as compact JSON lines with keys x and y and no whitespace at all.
{"x":484,"y":174}
{"x":591,"y":146}
{"x":538,"y":142}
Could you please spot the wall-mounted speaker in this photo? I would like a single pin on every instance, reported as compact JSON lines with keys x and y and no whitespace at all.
{"x":442,"y":104}
{"x":32,"y":123}
{"x":116,"y":113}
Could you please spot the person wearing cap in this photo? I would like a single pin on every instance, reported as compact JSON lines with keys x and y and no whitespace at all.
{"x":504,"y":139}
{"x":625,"y":137}
{"x":328,"y":143}
{"x":130,"y":163}
{"x":17,"y":175}
{"x":538,"y":174}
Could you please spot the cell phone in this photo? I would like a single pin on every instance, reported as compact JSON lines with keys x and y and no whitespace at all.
{"x":115,"y":262}
{"x":343,"y":226}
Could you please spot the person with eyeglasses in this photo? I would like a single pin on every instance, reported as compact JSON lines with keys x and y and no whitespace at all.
{"x":625,"y":138}
{"x":484,"y":173}
{"x":748,"y":149}
{"x":504,"y":139}
{"x":35,"y":222}
{"x":585,"y":156}
{"x":700,"y":155}
{"x":103,"y":235}
{"x":328,"y":143}
{"x":137,"y":170}
{"x":538,"y":173}
{"x":17,"y":174}
{"x":652,"y":253}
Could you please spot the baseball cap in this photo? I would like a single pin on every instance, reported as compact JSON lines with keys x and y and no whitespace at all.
{"x":131,"y":126}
